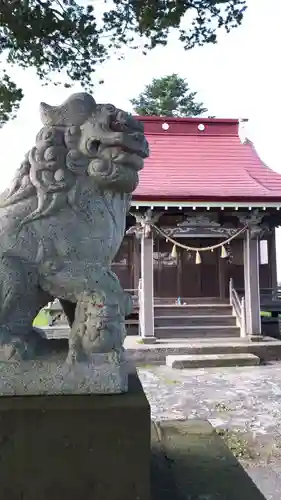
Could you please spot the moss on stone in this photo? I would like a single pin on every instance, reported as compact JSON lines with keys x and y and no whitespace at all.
{"x":238,"y":445}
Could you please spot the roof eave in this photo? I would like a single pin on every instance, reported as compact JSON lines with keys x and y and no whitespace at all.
{"x":201,"y":119}
{"x":206,"y":202}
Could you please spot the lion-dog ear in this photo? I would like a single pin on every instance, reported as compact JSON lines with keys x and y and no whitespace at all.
{"x":74,"y":111}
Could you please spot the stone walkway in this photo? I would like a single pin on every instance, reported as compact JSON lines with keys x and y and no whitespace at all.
{"x":244,"y":404}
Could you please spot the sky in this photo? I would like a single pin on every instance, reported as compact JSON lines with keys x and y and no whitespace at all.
{"x":237,"y":78}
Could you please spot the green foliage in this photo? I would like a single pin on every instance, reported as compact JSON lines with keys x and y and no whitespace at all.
{"x":75,"y":36}
{"x":167,"y":96}
{"x":42,"y":319}
{"x":237,"y":443}
{"x":10,"y":97}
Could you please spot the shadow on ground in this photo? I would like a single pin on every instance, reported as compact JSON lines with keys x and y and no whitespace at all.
{"x":190,"y":461}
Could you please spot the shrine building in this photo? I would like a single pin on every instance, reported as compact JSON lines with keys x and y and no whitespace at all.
{"x":199,"y":253}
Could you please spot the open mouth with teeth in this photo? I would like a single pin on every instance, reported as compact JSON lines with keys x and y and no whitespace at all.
{"x":94,"y":147}
{"x":123,"y":134}
{"x":125,"y":148}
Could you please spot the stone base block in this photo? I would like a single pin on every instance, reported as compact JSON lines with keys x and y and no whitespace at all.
{"x":103,"y":374}
{"x":148,"y":340}
{"x":83,"y":447}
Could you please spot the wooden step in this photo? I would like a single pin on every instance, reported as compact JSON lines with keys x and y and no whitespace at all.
{"x":202,"y":320}
{"x":190,"y":300}
{"x":170,"y":332}
{"x":181,"y":361}
{"x":193,"y":310}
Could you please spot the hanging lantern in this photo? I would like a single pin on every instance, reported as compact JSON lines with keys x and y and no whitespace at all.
{"x":223,"y":252}
{"x":174,"y":252}
{"x":198,"y":258}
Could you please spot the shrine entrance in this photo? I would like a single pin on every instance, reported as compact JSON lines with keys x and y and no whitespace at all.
{"x":182,"y":277}
{"x":179,"y":275}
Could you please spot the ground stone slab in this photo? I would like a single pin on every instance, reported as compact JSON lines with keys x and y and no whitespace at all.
{"x":182,"y":361}
{"x":242,"y":401}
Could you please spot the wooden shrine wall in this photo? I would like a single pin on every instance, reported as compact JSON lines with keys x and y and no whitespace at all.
{"x":235,"y":269}
{"x":182,"y":277}
{"x":123,"y":264}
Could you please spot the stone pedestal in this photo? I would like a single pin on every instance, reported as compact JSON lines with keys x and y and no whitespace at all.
{"x":101,"y":374}
{"x":82,"y":447}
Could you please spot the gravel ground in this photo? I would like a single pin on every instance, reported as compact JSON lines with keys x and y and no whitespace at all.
{"x":243,"y":404}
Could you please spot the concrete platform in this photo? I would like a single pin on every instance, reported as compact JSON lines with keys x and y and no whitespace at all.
{"x":182,"y":361}
{"x":266,"y":348}
{"x":55,"y":332}
{"x":155,"y":350}
{"x":191,"y":462}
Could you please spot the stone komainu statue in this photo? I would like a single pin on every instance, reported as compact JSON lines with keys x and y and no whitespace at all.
{"x":62,"y":223}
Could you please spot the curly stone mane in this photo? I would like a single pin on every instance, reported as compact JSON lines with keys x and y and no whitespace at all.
{"x":49,"y":171}
{"x":79,"y":138}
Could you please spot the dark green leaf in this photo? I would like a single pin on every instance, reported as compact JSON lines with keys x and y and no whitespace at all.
{"x":168,"y":96}
{"x":56,"y":35}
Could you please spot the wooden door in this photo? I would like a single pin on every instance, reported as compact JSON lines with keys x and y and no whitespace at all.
{"x":235,"y":266}
{"x":199,"y":280}
{"x":165,"y":270}
{"x":123,"y":264}
{"x":190,"y":272}
{"x":210,"y":269}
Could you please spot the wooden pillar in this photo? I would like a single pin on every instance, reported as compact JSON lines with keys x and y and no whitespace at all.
{"x":222,"y":270}
{"x":252,"y":286}
{"x":272,"y":259}
{"x":146,"y":293}
{"x":130,"y":260}
{"x":136,"y":263}
{"x":179,"y":272}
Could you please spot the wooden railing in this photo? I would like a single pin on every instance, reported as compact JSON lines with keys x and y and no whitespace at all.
{"x":238,"y":306}
{"x":135,"y":296}
{"x":266,"y":294}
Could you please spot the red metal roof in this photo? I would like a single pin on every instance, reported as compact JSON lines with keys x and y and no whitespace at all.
{"x":212,"y":164}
